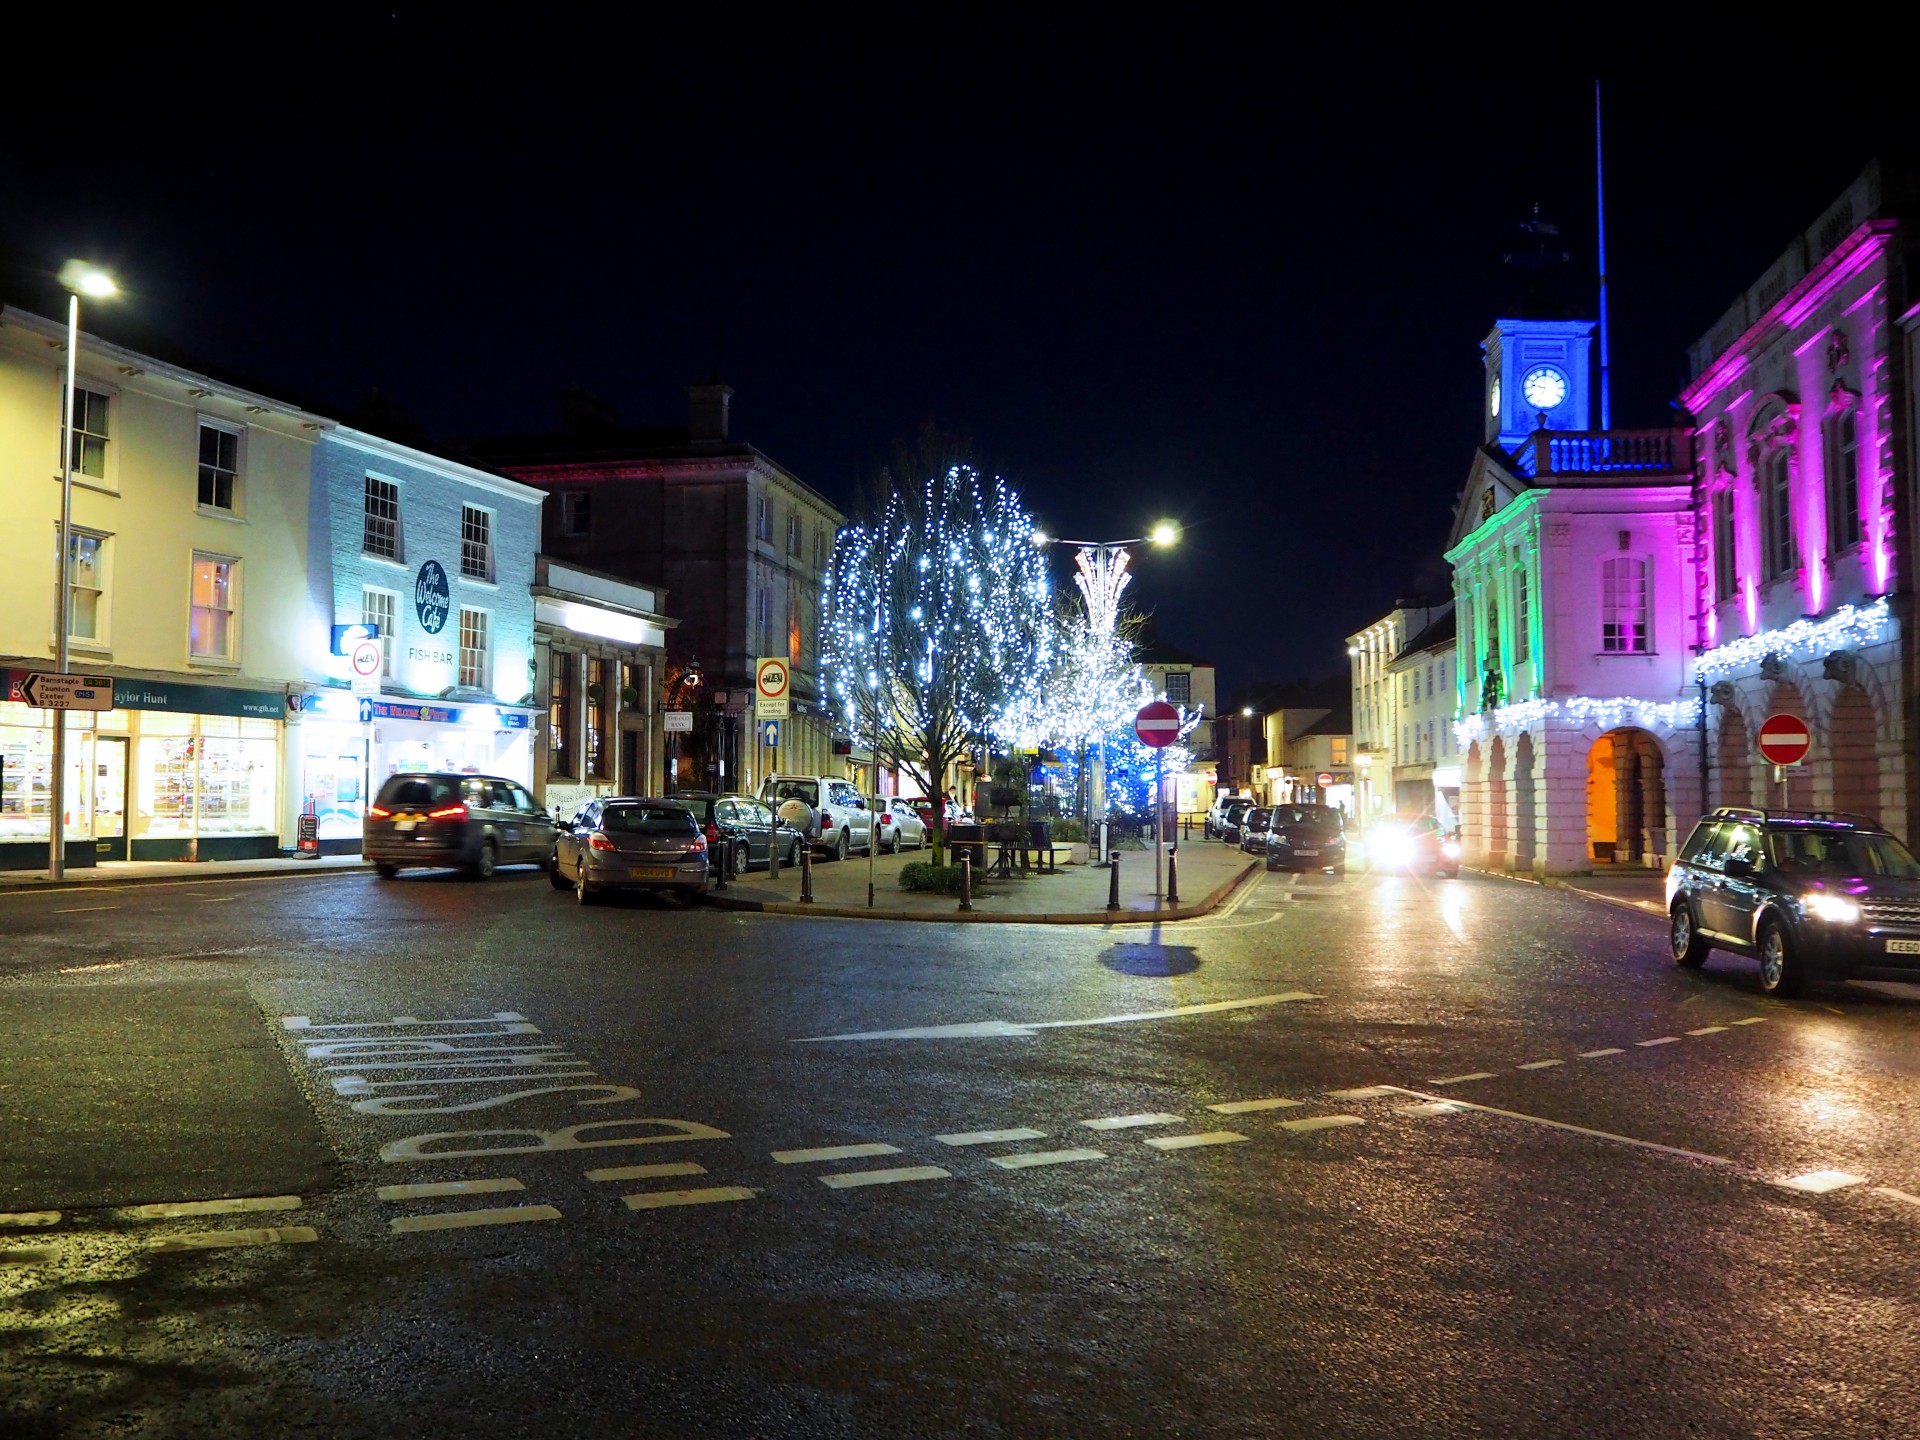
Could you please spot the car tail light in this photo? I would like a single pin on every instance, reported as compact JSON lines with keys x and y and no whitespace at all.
{"x":699,"y":846}
{"x":713,"y":835}
{"x":449,"y":812}
{"x":599,"y":842}
{"x":374,"y":812}
{"x":826,"y":823}
{"x":886,"y":818}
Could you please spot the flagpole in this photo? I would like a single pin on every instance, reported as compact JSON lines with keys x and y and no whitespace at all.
{"x":1600,"y":191}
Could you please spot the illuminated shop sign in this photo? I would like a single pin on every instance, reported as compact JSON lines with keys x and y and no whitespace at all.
{"x":431,"y":597}
{"x":339,"y":705}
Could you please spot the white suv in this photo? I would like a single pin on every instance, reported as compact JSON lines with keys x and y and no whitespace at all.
{"x":825,"y":809}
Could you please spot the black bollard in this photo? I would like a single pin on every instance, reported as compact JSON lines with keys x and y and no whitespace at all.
{"x":721,"y":863}
{"x":806,"y":874}
{"x":1173,"y":875}
{"x":966,"y":880}
{"x":1113,"y":882}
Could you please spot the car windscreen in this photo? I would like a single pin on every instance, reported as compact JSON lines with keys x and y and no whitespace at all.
{"x":807,"y":792}
{"x":1842,"y":854}
{"x":1310,"y":815}
{"x":419,"y":792}
{"x":646,"y":820}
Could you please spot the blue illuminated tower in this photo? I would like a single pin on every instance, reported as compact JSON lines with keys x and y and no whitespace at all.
{"x":1537,"y":368}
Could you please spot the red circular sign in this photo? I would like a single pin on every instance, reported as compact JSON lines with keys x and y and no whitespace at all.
{"x":1157,"y":724}
{"x":1784,"y":739}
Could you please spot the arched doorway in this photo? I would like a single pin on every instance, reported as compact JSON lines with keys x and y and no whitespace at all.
{"x":1523,"y":804}
{"x":1856,"y":769}
{"x":1733,"y":761}
{"x":1626,"y":799}
{"x":1497,"y":849}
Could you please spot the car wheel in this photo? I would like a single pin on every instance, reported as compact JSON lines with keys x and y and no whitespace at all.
{"x":793,"y":856}
{"x":554,"y":877}
{"x":1780,"y":969}
{"x":385,"y":871}
{"x":842,"y":847}
{"x":742,"y":858}
{"x":583,"y":893}
{"x":1340,"y":869}
{"x":488,"y":861}
{"x":1683,"y":938}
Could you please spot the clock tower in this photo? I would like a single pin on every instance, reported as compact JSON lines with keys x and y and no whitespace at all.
{"x":1536,"y":368}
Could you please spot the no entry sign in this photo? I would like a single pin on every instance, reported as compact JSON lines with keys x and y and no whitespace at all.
{"x":1784,"y":739}
{"x":1157,"y":724}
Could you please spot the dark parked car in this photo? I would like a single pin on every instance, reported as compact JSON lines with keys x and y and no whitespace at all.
{"x":1813,"y":895}
{"x":1413,"y":845}
{"x":631,"y":844}
{"x":1232,"y":819}
{"x":1253,"y":829}
{"x":1306,"y":837}
{"x":741,"y":828}
{"x":474,"y":821}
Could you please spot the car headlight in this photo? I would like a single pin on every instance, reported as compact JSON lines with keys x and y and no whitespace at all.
{"x":1834,"y":908}
{"x":1393,"y":850}
{"x":1451,"y":849}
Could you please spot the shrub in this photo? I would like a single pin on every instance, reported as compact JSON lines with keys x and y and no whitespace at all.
{"x":1066,"y":832}
{"x":934,"y":879}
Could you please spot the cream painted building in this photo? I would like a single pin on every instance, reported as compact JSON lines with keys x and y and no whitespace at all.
{"x":188,"y":576}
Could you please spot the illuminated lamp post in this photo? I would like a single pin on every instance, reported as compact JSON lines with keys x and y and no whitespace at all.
{"x":80,"y":279}
{"x":1103,"y":576}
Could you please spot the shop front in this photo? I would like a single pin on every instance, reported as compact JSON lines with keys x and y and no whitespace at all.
{"x":177,"y":771}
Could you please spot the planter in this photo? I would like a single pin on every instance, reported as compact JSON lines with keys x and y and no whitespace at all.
{"x":1077,"y":852}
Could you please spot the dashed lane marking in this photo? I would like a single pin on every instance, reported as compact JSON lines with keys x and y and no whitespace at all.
{"x":1596,"y":1054}
{"x":833,"y":1152}
{"x":29,"y":1218}
{"x":668,"y":1199}
{"x":1892,"y":1194}
{"x":661,"y":1171}
{"x":1365,"y":1092}
{"x":1819,"y":1182}
{"x":1463,"y":1079}
{"x":850,"y":1179}
{"x":226,"y":1239}
{"x":1575,"y":1129}
{"x":1248,"y":1107}
{"x":1661,"y":1040}
{"x":180,"y":1210}
{"x":1752,"y":1020}
{"x":1046,"y":1157}
{"x":466,"y":1219}
{"x":990,"y":1137}
{"x":1190,"y":1142}
{"x":1320,"y":1122}
{"x":1708,"y":1030}
{"x":28,"y":1255}
{"x":1539,"y":1064}
{"x":1131,"y":1122}
{"x":218,"y":899}
{"x":1426,"y":1108}
{"x":84,"y":909}
{"x":435,"y":1189}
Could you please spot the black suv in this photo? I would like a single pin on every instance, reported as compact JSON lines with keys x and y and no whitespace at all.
{"x":1812,"y":894}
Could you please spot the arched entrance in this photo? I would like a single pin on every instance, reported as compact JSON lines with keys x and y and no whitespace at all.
{"x":1523,"y":804}
{"x":1856,"y":769}
{"x":1497,"y":848}
{"x":1626,"y":798}
{"x":1733,"y":762}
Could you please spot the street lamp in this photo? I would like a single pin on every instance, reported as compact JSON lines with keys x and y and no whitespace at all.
{"x":1363,"y":789}
{"x":80,"y":278}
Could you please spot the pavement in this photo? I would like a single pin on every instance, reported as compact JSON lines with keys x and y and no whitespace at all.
{"x":148,"y":872}
{"x":1643,"y":890}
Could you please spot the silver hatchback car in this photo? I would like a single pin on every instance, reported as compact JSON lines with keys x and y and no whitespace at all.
{"x":631,"y":844}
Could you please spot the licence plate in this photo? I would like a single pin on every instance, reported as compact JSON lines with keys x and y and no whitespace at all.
{"x":1314,"y":853}
{"x":1903,"y":947}
{"x":641,"y":872}
{"x":405,"y":823}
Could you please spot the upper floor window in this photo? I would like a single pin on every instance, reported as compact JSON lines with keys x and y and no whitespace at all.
{"x":1623,"y":606}
{"x":763,"y":518}
{"x":89,"y":433}
{"x":1843,"y":481}
{"x":476,"y":543}
{"x":576,"y":513}
{"x":86,"y":584}
{"x":476,"y":668}
{"x":1780,"y":555}
{"x":1522,"y":617}
{"x":1725,"y":575}
{"x":1429,"y":680}
{"x":210,"y":628}
{"x":1179,"y":687}
{"x":380,"y":535}
{"x":819,"y":547}
{"x":219,"y":466}
{"x":793,"y":533}
{"x":1338,"y":749}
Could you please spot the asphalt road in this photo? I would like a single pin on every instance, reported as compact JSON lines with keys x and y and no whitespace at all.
{"x":1509,"y":1172}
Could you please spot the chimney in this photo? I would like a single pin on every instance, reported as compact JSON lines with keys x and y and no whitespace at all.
{"x":707,"y":409}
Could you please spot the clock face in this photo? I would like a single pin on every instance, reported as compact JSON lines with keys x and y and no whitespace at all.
{"x":1544,"y":387}
{"x":1493,"y":398}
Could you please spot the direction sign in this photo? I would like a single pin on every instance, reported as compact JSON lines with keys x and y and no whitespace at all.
{"x":1157,"y":724}
{"x":770,"y":734}
{"x":45,"y":691}
{"x":1783,"y":739}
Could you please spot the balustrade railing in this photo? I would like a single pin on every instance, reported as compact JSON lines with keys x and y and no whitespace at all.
{"x":1602,"y":454}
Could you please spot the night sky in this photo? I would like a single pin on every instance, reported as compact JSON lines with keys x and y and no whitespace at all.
{"x":1232,"y":277}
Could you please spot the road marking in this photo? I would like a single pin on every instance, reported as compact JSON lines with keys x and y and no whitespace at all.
{"x":1046,"y":1157}
{"x":990,"y":1137}
{"x":833,"y":1152}
{"x":1133,"y":1122}
{"x":851,"y":1178}
{"x":1321,"y":1122}
{"x":1188,"y":1142}
{"x":1819,"y":1182}
{"x":1462,"y":1079}
{"x":1430,"y":1107}
{"x":181,"y":1209}
{"x":1539,"y":1064}
{"x":1752,"y":1020}
{"x":435,"y":1189}
{"x":1365,"y":1092}
{"x":84,"y":909}
{"x":218,"y":899}
{"x":648,"y":1172}
{"x":465,"y":1219}
{"x":1708,"y":1030}
{"x":1893,"y":1194}
{"x":1596,"y":1054}
{"x":31,"y":1217}
{"x":976,"y":1029}
{"x":304,"y":1022}
{"x":28,"y":1255}
{"x":667,"y":1199}
{"x":1663,"y":1040}
{"x":1579,"y":1129}
{"x":1248,"y":1107}
{"x":224,"y":1239}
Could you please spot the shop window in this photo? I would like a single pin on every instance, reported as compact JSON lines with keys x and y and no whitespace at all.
{"x":476,"y":543}
{"x":206,"y":775}
{"x":89,"y":434}
{"x":210,"y":625}
{"x":380,"y":529}
{"x":378,"y":608}
{"x":219,"y":467}
{"x":86,"y":584}
{"x":562,"y":735}
{"x":576,"y":514}
{"x":1623,"y":606}
{"x":599,"y":719}
{"x":1843,"y":481}
{"x":476,"y":667}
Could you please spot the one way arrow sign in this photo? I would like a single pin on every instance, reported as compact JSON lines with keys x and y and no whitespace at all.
{"x":46,"y":691}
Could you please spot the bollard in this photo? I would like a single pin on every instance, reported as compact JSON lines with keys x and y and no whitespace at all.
{"x":966,"y":880}
{"x":1113,"y":881}
{"x":722,"y":862}
{"x":1173,"y":875}
{"x":773,"y":850}
{"x":806,"y":874}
